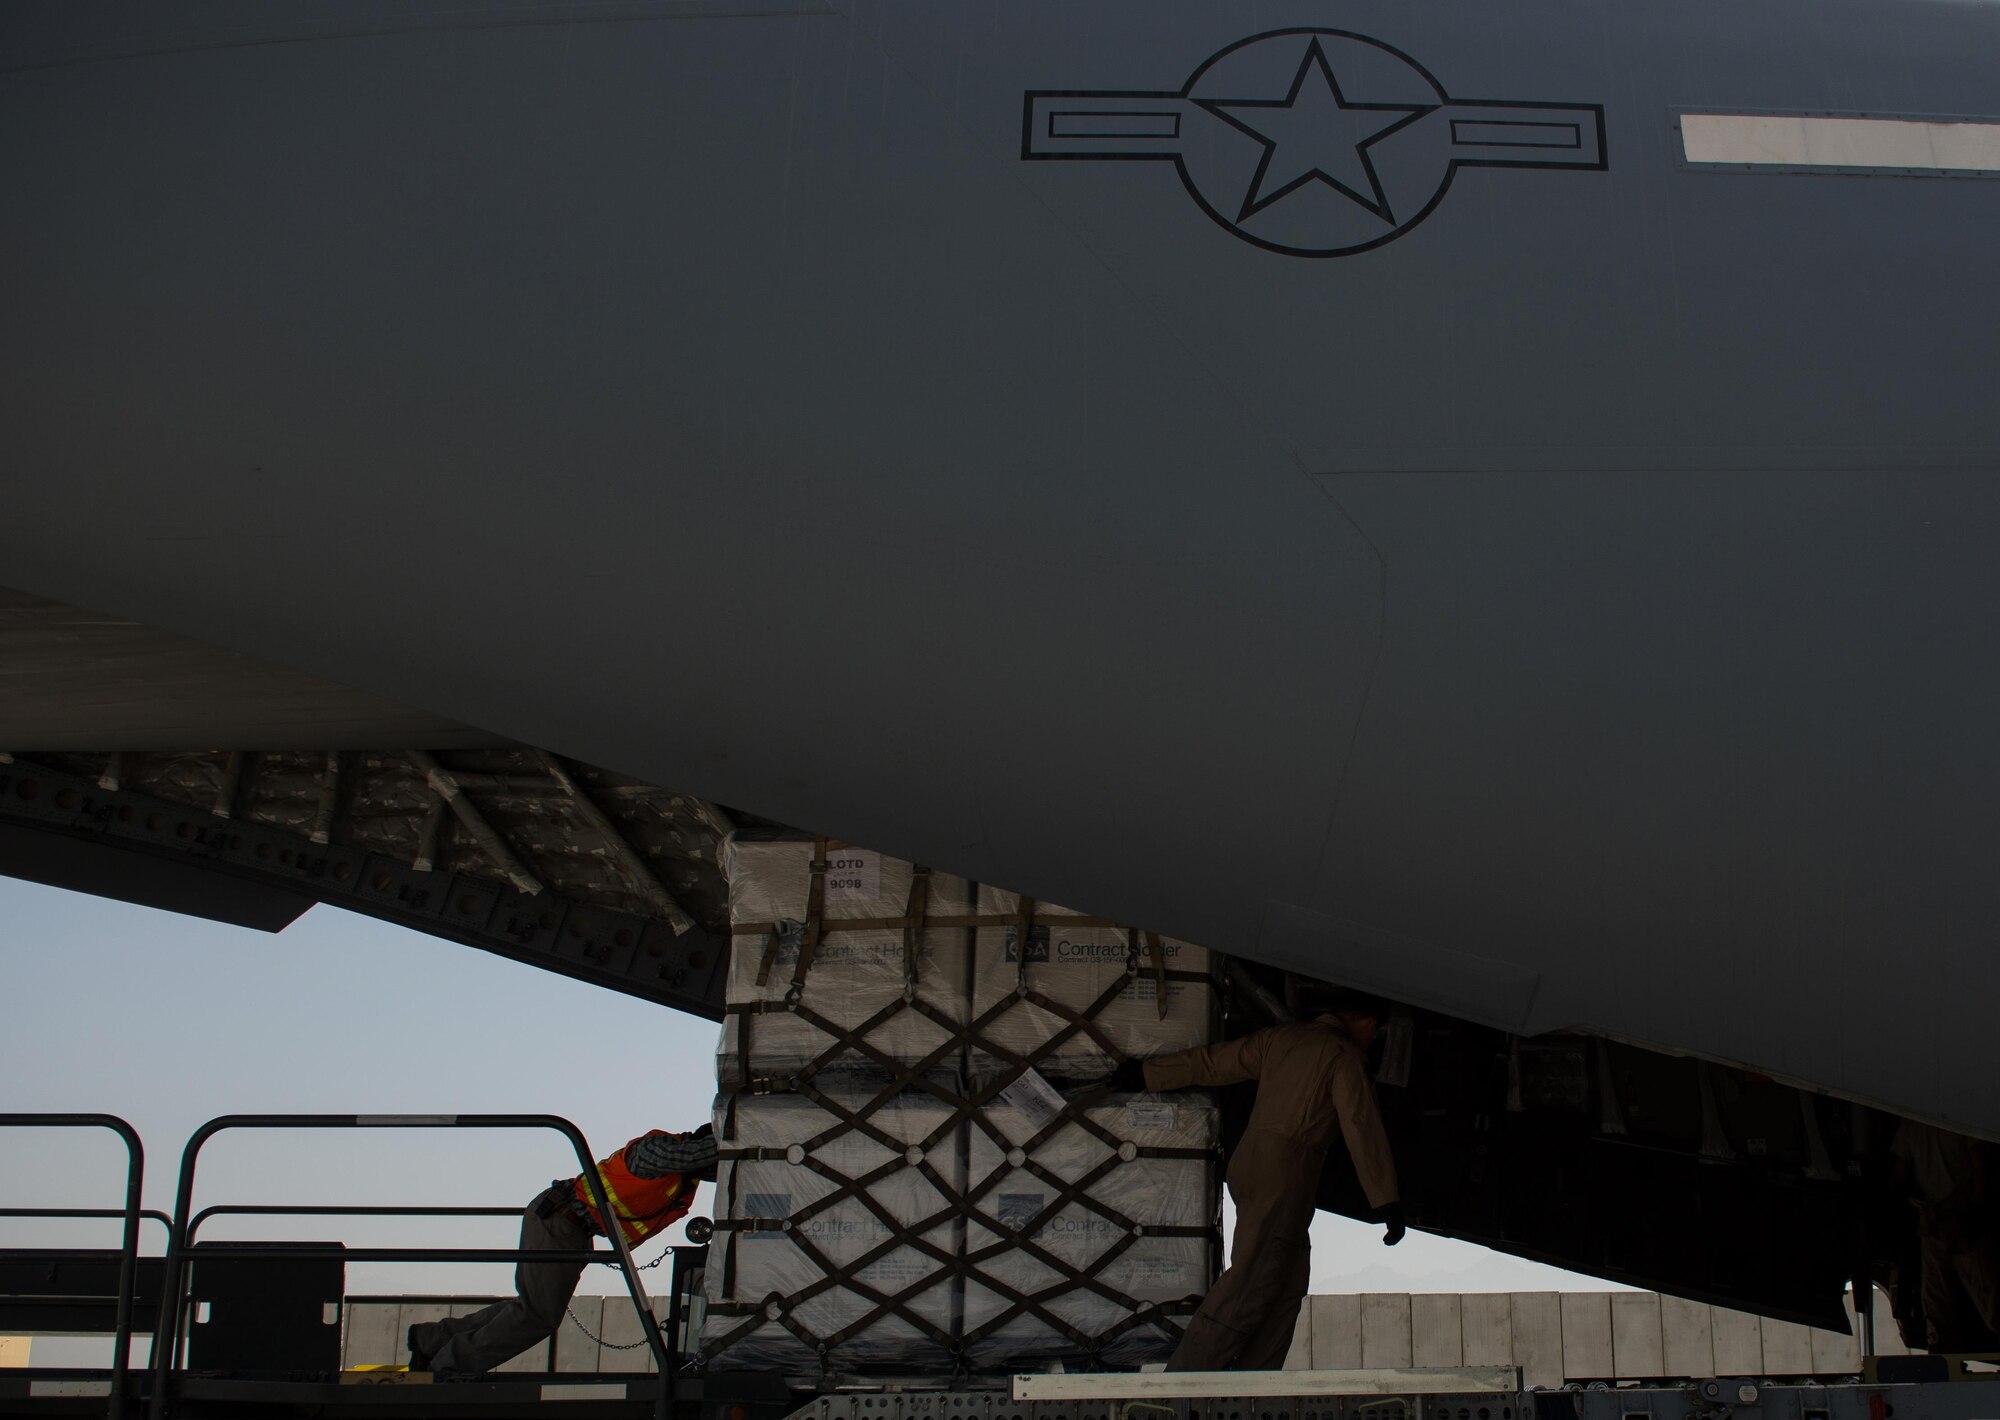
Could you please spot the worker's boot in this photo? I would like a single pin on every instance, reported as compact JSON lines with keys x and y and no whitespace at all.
{"x":420,"y":1359}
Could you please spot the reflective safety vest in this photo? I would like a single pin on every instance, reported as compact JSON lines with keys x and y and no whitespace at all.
{"x":643,"y":1205}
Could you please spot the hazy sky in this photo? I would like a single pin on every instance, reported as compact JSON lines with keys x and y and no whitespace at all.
{"x":170,"y":1021}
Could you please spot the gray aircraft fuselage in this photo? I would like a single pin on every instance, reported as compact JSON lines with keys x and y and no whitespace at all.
{"x":1332,"y":481}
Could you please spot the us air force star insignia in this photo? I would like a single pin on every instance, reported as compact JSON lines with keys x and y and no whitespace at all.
{"x":1315,"y":132}
{"x":1313,"y":142}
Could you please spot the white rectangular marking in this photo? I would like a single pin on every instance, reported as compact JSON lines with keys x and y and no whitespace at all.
{"x":570,"y":1390}
{"x":1802,"y":141}
{"x":69,"y":1388}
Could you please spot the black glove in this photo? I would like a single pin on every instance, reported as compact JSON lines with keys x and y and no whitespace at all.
{"x":1392,"y":1222}
{"x":1129,"y":1077}
{"x":703,"y":1132}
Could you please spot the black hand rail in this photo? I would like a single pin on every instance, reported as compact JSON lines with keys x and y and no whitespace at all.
{"x":383,"y":1255}
{"x":339,"y":1210}
{"x":148,"y":1215}
{"x":180,"y":1237}
{"x":128,"y":1252}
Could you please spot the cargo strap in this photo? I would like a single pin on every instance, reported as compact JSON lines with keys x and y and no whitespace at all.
{"x":1159,"y":955}
{"x":815,"y":915}
{"x":896,"y":924}
{"x":920,"y":897}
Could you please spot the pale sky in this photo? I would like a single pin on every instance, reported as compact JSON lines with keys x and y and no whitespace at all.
{"x":169,"y":1021}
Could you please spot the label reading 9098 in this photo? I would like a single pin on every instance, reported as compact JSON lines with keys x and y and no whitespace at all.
{"x":853,"y":872}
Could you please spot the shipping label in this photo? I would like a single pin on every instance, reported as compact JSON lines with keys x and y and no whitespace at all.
{"x":852,"y":873}
{"x":1034,"y":1098}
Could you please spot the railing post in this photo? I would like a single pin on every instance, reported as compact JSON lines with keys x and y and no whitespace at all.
{"x":166,"y":1331}
{"x":128,"y":1267}
{"x":648,"y":1323}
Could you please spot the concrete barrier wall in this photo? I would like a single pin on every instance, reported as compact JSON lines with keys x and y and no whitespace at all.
{"x":1554,"y":1337}
{"x":1557,"y":1337}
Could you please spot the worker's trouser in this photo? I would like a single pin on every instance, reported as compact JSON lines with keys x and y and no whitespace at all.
{"x":497,"y":1334}
{"x":1247,"y":1318}
{"x":1961,"y":1289}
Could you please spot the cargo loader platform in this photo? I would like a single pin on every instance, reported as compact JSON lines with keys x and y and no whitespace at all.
{"x":1405,"y":1395}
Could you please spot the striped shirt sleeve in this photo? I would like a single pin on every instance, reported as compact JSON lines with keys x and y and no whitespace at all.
{"x":657,"y":1155}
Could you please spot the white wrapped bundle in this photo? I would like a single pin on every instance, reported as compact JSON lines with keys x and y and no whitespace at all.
{"x":1076,"y":965}
{"x":752,"y":1269}
{"x":778,"y":1287}
{"x":853,"y":975}
{"x":756,"y":1265}
{"x":1139,"y":1191}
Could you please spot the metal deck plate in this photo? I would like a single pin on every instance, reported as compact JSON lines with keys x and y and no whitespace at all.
{"x":1229,"y":1385}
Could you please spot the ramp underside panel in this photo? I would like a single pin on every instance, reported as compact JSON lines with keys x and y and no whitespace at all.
{"x":83,"y":865}
{"x":256,"y":839}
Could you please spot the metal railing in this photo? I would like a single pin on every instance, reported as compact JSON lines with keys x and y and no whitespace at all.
{"x":128,"y":1252}
{"x":180,"y":1242}
{"x":340,"y":1210}
{"x":331,"y":1210}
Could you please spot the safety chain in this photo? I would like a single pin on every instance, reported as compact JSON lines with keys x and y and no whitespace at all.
{"x":570,"y":1308}
{"x":607,"y":1345}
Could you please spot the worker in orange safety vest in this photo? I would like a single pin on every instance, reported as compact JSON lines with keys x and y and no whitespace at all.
{"x":649,"y":1184}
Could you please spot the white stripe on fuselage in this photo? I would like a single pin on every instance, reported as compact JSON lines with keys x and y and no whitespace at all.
{"x":1819,"y":141}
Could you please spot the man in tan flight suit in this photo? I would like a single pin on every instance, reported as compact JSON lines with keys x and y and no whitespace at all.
{"x":1311,"y":1079}
{"x":1958,"y":1221}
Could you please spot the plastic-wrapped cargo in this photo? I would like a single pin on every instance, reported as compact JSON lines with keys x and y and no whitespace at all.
{"x":922,"y":961}
{"x":782,"y":1019}
{"x":1107,"y":1221}
{"x":999,"y":1209}
{"x":1113,"y":977}
{"x":992,"y":1237}
{"x":802,"y":1259}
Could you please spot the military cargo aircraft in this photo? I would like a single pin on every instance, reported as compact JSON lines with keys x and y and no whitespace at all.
{"x":1494,"y":505}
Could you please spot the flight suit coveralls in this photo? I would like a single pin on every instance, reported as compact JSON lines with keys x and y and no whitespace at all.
{"x":1311,"y":1081}
{"x":1957,"y":1223}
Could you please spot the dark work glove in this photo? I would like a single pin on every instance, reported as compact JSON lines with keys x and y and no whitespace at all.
{"x":1129,"y":1077}
{"x":703,"y":1132}
{"x":1392,"y":1222}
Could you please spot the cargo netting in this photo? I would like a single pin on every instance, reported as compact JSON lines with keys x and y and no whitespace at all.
{"x":923,"y":1164}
